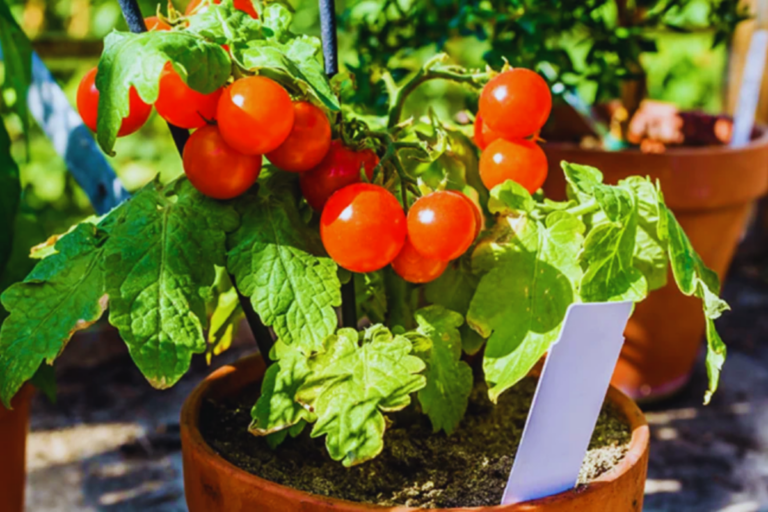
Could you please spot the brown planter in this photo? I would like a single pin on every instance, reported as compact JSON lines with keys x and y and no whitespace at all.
{"x":214,"y":485}
{"x":711,"y":191}
{"x":13,"y":442}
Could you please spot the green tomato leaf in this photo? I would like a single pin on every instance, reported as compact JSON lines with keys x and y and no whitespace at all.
{"x":355,"y":380}
{"x":694,"y":278}
{"x":521,"y":301}
{"x":277,"y":22}
{"x":280,"y":264}
{"x":454,"y":290}
{"x":136,"y":60}
{"x":449,"y":379}
{"x":609,"y":250}
{"x":276,"y":409}
{"x":296,"y":62}
{"x":17,"y":63}
{"x":10,"y":193}
{"x":650,"y":251}
{"x":223,"y":24}
{"x":581,"y":180}
{"x":161,"y":261}
{"x":63,"y":294}
{"x":224,"y":323}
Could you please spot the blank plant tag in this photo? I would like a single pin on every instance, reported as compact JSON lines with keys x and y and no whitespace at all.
{"x":749,"y":92}
{"x":568,"y":400}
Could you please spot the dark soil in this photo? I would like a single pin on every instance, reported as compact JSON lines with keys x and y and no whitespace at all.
{"x":417,"y":468}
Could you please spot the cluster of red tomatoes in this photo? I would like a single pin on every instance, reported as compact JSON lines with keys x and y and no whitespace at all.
{"x":514,"y":106}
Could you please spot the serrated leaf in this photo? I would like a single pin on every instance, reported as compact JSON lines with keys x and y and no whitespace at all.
{"x":449,"y":379}
{"x":63,"y":294}
{"x":297,"y":61}
{"x":138,"y":59}
{"x":280,"y":264}
{"x":650,"y":251}
{"x":223,"y":24}
{"x":277,"y":409}
{"x":355,"y":380}
{"x":521,"y":301}
{"x":161,"y":259}
{"x":10,"y":194}
{"x":609,"y":250}
{"x":277,"y":21}
{"x":454,"y":290}
{"x":224,"y":323}
{"x":694,"y":278}
{"x":510,"y":197}
{"x":581,"y":180}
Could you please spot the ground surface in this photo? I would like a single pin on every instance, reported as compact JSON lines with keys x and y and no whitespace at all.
{"x":110,"y":443}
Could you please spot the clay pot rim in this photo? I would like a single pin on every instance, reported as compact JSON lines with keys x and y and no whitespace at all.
{"x":190,"y":413}
{"x":673,"y":151}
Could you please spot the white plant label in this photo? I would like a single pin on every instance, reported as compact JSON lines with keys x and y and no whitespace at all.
{"x":567,"y":402}
{"x":749,"y":92}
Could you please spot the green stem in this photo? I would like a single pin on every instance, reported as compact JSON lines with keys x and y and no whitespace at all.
{"x":426,"y":73}
{"x":584,"y":209}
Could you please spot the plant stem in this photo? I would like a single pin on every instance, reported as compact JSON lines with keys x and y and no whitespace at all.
{"x":584,"y":209}
{"x":425,"y":74}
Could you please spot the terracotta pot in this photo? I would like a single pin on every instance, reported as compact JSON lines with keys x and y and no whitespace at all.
{"x":214,"y":485}
{"x":711,"y":191}
{"x":13,"y":443}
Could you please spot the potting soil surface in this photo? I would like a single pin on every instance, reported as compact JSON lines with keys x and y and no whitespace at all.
{"x":417,"y":467}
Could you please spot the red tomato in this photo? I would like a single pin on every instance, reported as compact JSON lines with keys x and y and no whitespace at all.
{"x":340,"y":167}
{"x":415,"y":268}
{"x":88,"y":106}
{"x":363,"y":227}
{"x":193,"y":7}
{"x":308,"y":142}
{"x":182,"y":106}
{"x":522,"y":161}
{"x":483,"y":134}
{"x":516,"y":103}
{"x":156,"y":24}
{"x":215,"y":169}
{"x":247,"y":7}
{"x":442,"y":225}
{"x":479,"y":220}
{"x":255,"y":115}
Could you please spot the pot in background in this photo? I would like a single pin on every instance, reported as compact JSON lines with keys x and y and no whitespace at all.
{"x":711,"y":191}
{"x":212,"y":484}
{"x":14,"y":425}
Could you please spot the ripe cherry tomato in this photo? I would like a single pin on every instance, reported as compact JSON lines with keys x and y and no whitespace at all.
{"x":88,"y":106}
{"x":182,"y":106}
{"x":363,"y":227}
{"x":340,"y":167}
{"x":215,"y":169}
{"x":516,"y":103}
{"x":255,"y":115}
{"x":483,"y":134}
{"x":194,"y":6}
{"x":442,"y":225}
{"x":247,"y":7}
{"x":522,"y":161}
{"x":479,"y":220}
{"x":156,"y":24}
{"x":415,"y":268}
{"x":308,"y":142}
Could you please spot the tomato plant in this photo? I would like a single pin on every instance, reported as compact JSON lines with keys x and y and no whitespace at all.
{"x":407,"y":190}
{"x":155,"y":23}
{"x":363,"y":227}
{"x":341,"y":166}
{"x":182,"y":106}
{"x":88,"y":106}
{"x":308,"y":142}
